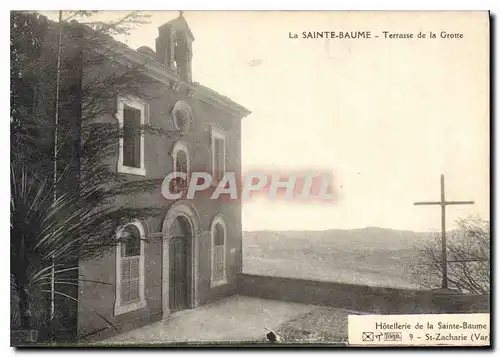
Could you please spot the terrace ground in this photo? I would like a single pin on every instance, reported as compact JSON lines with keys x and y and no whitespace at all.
{"x":243,"y":319}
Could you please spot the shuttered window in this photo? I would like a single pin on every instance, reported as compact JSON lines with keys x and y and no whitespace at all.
{"x":132,"y":114}
{"x":130,"y":280}
{"x":130,"y":274}
{"x":131,"y":137}
{"x":130,"y":263}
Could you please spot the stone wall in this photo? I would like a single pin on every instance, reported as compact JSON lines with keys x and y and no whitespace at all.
{"x":379,"y":300}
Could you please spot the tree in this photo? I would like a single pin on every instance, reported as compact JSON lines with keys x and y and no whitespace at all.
{"x":66,"y":229}
{"x":91,"y":75}
{"x":468,"y":250}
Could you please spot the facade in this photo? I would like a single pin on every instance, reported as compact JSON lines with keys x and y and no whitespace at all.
{"x":192,"y":254}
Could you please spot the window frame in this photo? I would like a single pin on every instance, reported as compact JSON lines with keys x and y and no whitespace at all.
{"x":218,"y":134}
{"x":219,"y":219}
{"x":120,"y":307}
{"x":141,"y":105}
{"x":181,"y":146}
{"x":184,"y":108}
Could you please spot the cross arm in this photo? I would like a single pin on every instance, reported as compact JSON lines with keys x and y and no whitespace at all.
{"x":447,"y":203}
{"x":459,"y":203}
{"x":426,"y":203}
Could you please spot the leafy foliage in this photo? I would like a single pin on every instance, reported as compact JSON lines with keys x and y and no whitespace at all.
{"x":73,"y":214}
{"x":64,"y":229}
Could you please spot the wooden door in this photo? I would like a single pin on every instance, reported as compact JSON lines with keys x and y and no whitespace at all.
{"x":178,"y":274}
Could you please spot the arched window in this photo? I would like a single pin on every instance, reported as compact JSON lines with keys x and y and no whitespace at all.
{"x":218,"y":155}
{"x":130,"y":269}
{"x":181,"y":160}
{"x":181,"y":163}
{"x":218,"y":232}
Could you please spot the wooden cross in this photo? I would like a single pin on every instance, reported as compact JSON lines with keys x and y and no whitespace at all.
{"x":443,"y":203}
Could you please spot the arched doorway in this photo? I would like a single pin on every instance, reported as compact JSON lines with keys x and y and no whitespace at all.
{"x":180,"y":251}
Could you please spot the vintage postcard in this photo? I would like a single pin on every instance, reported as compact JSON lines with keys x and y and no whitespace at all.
{"x":246,"y":178}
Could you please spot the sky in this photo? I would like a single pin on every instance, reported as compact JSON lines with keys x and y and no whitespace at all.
{"x":386,"y":117}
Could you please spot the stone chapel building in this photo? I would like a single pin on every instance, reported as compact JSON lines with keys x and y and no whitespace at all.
{"x":193,"y":254}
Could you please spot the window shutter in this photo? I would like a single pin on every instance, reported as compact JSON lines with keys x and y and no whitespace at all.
{"x":134,"y":279}
{"x":131,"y":137}
{"x":137,"y":138}
{"x":218,"y":262}
{"x":127,"y":137}
{"x":110,"y":105}
{"x":125,"y":266}
{"x":130,"y":280}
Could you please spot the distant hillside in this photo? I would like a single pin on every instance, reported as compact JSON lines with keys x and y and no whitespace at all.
{"x":353,"y":238}
{"x":370,"y":256}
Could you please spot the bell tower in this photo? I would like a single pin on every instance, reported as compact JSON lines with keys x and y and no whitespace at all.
{"x":174,"y":46}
